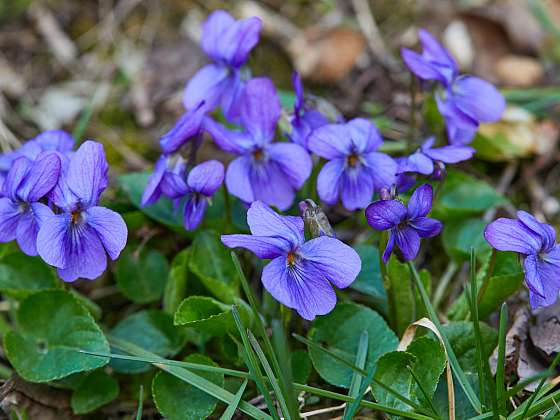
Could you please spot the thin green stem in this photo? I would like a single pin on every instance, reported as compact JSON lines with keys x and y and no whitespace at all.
{"x":500,"y":367}
{"x":227,"y":209}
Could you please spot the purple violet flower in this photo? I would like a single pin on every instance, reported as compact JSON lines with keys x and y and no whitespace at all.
{"x":536,"y":242}
{"x":265,"y":171}
{"x":21,"y":213}
{"x":78,"y":239}
{"x":407,"y":224}
{"x":189,"y":126}
{"x":355,"y":170}
{"x":48,"y":141}
{"x":304,"y":119}
{"x":199,"y":186}
{"x":425,"y":160}
{"x":301,"y":273}
{"x":168,"y":173}
{"x":464,"y":101}
{"x":228,"y":43}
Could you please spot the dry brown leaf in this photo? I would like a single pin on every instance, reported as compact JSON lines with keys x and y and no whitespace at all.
{"x":519,"y":70}
{"x":326,"y":55}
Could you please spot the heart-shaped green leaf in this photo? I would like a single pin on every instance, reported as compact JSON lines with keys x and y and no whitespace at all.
{"x":21,"y":275}
{"x":53,"y":328}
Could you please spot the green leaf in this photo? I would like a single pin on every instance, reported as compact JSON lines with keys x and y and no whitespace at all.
{"x":405,"y":307}
{"x":369,"y":281}
{"x":21,"y":275}
{"x":141,"y":278}
{"x":162,"y":211}
{"x":151,"y":330}
{"x":458,"y":238}
{"x":176,"y":286}
{"x":506,"y":279}
{"x":95,"y":390}
{"x":177,"y":400}
{"x":463,"y":195}
{"x":461,"y":336}
{"x":53,"y":326}
{"x":340,"y":332}
{"x":210,"y":316}
{"x":463,"y":408}
{"x":301,"y":366}
{"x":211,"y":262}
{"x":425,"y":358}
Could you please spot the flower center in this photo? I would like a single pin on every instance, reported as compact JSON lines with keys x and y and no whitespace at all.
{"x":258,"y":153}
{"x":75,"y":217}
{"x":353,"y":160}
{"x":291,"y":258}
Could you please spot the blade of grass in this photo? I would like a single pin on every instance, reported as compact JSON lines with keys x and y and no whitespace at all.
{"x":531,"y":400}
{"x":355,"y":405}
{"x":230,"y":410}
{"x":261,"y":330}
{"x":273,"y":381}
{"x":529,"y":380}
{"x":253,"y":365}
{"x":456,"y":368}
{"x":191,"y":378}
{"x":541,"y":406}
{"x":500,"y":368}
{"x":362,"y":372}
{"x":247,"y":408}
{"x":282,"y":350}
{"x":355,"y":384}
{"x":140,"y":403}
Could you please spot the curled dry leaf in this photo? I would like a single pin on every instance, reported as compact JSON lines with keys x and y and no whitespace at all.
{"x":326,"y":55}
{"x":519,"y":70}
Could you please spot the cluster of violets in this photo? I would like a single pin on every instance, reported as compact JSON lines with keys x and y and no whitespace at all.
{"x":49,"y":199}
{"x":49,"y":193}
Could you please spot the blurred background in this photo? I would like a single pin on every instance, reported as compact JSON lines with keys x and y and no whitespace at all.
{"x":114,"y":70}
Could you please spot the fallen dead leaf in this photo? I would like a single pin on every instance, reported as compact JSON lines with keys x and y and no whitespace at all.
{"x":519,"y":70}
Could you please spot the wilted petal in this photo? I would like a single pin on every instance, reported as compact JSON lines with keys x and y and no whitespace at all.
{"x":365,"y":136}
{"x":330,"y":141}
{"x":263,"y":221}
{"x":478,"y":99}
{"x":545,"y":231}
{"x":87,"y":172}
{"x":9,"y":217}
{"x":41,"y":178}
{"x":260,"y":109}
{"x":110,"y":227}
{"x":208,"y":85}
{"x":420,"y":202}
{"x":385,"y":214}
{"x":188,"y":126}
{"x":426,"y":226}
{"x":293,"y":160}
{"x":382,"y":169}
{"x":85,"y":255}
{"x":408,"y":241}
{"x":226,"y":139}
{"x":267,"y":247}
{"x":301,"y":288}
{"x":512,"y":235}
{"x":238,"y":181}
{"x":194,"y":210}
{"x":328,"y":181}
{"x":336,"y":261}
{"x":206,"y":177}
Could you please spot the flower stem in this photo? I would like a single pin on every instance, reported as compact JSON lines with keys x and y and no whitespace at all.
{"x":227,"y":208}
